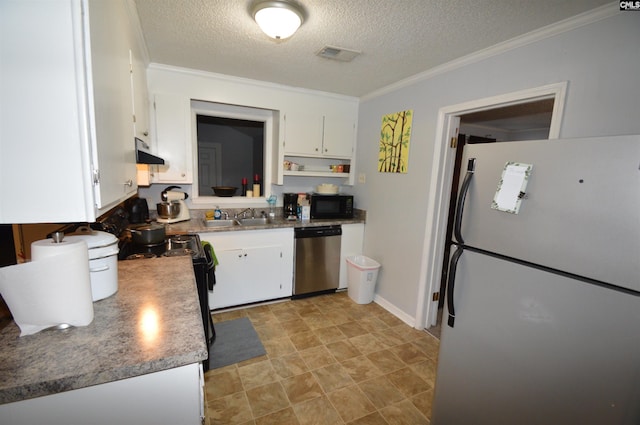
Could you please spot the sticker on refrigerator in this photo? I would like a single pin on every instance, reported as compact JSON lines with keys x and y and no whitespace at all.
{"x":512,"y":187}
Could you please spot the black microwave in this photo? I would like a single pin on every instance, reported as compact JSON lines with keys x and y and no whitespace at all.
{"x":331,"y":206}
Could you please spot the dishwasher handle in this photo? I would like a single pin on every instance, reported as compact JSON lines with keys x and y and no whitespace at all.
{"x":317,"y":231}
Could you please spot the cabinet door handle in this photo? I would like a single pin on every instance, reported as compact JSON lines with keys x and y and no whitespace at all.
{"x":128,"y":183}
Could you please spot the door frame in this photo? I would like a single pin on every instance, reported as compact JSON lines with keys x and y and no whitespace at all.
{"x":441,"y":178}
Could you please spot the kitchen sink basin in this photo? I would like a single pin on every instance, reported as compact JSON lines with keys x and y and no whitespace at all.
{"x":221,"y":223}
{"x":254,"y":221}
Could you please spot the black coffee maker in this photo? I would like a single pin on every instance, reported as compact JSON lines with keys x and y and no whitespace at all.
{"x":290,"y":206}
{"x":138,"y":210}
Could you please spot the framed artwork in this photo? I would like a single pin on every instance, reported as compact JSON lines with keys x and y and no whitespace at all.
{"x":395,"y":135}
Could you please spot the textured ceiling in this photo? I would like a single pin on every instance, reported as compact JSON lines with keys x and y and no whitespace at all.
{"x":397,"y":38}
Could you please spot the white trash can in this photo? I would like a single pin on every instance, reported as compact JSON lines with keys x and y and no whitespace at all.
{"x":362,"y":273}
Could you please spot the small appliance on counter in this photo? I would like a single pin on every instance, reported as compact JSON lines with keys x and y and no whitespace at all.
{"x":138,"y":210}
{"x":103,"y":260}
{"x":290,"y":206}
{"x":326,"y":206}
{"x":172,"y":209}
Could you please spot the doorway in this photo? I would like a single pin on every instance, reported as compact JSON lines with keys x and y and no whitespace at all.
{"x":501,"y":118}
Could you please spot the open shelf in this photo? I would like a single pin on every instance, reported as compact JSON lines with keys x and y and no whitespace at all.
{"x":304,"y":173}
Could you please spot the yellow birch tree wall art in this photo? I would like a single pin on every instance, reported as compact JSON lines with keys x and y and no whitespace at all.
{"x":395,"y":135}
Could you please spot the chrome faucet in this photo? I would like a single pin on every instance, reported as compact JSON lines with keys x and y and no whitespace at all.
{"x":225,"y":213}
{"x":244,"y":213}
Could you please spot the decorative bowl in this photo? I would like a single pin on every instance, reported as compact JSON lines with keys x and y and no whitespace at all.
{"x":224,"y":190}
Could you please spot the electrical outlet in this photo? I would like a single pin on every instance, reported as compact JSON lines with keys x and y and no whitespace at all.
{"x":362,"y":178}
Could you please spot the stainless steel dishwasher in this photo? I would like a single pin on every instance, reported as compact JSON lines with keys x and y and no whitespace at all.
{"x":317,"y":265}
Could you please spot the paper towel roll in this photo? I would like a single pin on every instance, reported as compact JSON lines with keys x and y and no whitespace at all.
{"x":53,"y":289}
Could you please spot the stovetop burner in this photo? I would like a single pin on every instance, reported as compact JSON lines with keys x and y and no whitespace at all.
{"x":173,"y":246}
{"x":140,"y":256}
{"x":179,"y":252}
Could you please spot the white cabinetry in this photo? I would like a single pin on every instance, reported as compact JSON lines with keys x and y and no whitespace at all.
{"x":140,"y":96}
{"x":253,"y":266}
{"x":66,"y":151}
{"x":168,"y":397}
{"x":309,"y":133}
{"x":351,"y":244}
{"x":339,"y":134}
{"x":319,"y":134}
{"x":303,"y":132}
{"x":172,"y":139}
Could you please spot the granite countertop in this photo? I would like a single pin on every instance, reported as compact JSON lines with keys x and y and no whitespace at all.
{"x":197,"y":223}
{"x":152,"y":323}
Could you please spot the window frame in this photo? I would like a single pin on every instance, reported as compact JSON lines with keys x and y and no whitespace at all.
{"x":216,"y":109}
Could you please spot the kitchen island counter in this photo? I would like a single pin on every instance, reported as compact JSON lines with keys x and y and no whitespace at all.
{"x":151,"y":324}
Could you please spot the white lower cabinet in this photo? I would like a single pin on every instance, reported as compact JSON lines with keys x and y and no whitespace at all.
{"x":253,"y":266}
{"x":351,"y":244}
{"x":168,"y":397}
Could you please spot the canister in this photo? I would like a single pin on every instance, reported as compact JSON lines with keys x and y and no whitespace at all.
{"x":103,"y":261}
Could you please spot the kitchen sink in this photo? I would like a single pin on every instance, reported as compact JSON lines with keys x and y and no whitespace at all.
{"x":258,"y":221}
{"x":221,"y":223}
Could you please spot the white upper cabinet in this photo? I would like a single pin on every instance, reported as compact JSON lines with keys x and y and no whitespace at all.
{"x":66,"y":146}
{"x":323,"y":128}
{"x":303,"y":132}
{"x":339,"y":135}
{"x":112,"y":109}
{"x":172,"y":139}
{"x":140,"y":96}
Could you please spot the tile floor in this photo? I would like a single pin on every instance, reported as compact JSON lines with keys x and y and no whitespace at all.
{"x":329,"y":361}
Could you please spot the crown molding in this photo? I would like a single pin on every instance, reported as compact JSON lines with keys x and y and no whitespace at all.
{"x":560,"y":27}
{"x":225,"y":78}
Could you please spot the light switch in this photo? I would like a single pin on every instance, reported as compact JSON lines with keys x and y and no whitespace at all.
{"x":362,"y":178}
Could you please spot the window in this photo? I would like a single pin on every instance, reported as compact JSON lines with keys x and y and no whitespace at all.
{"x":231,"y":143}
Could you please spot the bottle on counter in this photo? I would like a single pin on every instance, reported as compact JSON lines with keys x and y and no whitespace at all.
{"x":256,"y":186}
{"x":244,"y":186}
{"x":272,"y":206}
{"x":217,"y":214}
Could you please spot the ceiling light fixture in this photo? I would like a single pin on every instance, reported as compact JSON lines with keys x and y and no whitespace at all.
{"x":278,"y":19}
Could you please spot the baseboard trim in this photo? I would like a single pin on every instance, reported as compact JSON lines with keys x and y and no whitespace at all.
{"x":382,"y":302}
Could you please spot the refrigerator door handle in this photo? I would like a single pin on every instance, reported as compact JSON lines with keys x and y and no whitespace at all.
{"x":451,"y":281}
{"x":462,"y":195}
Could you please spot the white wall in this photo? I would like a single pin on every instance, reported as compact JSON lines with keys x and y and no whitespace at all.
{"x":600,"y":61}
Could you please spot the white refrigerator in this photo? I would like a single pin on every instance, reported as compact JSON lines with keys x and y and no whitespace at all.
{"x":542,"y":315}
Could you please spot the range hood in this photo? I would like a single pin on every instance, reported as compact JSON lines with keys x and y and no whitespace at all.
{"x":143,"y":156}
